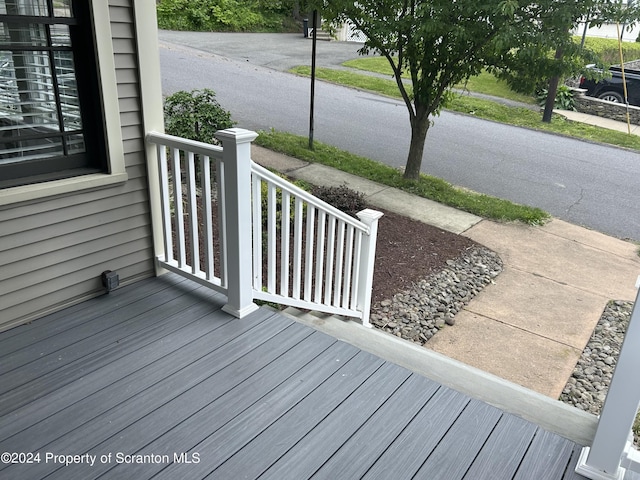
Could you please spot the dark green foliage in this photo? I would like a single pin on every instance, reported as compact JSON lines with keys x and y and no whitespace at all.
{"x":227,"y":15}
{"x":343,"y":198}
{"x":564,"y":98}
{"x":195,"y":115}
{"x":528,"y":70}
{"x":607,"y":49}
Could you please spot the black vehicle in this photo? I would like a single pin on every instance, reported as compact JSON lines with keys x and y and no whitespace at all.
{"x":611,"y":89}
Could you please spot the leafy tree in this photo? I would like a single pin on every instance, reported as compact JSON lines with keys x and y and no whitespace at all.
{"x":440,"y":43}
{"x":196,"y":115}
{"x":547,"y":52}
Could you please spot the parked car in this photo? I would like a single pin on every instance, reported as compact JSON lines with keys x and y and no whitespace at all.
{"x":611,"y":89}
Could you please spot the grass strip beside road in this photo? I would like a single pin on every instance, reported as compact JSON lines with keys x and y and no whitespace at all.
{"x":427,"y":186}
{"x":484,"y":82}
{"x":485,"y":109}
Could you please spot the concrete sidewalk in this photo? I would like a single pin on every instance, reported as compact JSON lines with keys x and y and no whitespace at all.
{"x":600,"y":122}
{"x":531,"y":326}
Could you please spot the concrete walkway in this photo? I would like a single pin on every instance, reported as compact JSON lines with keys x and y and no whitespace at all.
{"x":531,"y":326}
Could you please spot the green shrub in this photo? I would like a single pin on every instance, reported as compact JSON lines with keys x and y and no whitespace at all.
{"x":607,"y":49}
{"x":564,"y":98}
{"x":195,"y":115}
{"x":343,"y":198}
{"x":219,"y":15}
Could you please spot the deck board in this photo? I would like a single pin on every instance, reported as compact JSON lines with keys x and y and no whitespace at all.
{"x":79,"y":313}
{"x":371,"y":440}
{"x":546,"y":457}
{"x":90,"y":336}
{"x":225,"y":408}
{"x":248,"y":445}
{"x":310,"y":452}
{"x":462,"y":442}
{"x":158,"y":368}
{"x":122,"y":368}
{"x":411,"y":448}
{"x":92,"y":339}
{"x":501,"y":455}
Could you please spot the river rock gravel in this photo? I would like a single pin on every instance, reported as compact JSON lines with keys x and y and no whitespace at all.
{"x":418,"y":313}
{"x":588,"y":385}
{"x":587,"y":388}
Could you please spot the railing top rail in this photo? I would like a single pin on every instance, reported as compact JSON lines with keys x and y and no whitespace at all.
{"x":307,"y":197}
{"x":213,"y":151}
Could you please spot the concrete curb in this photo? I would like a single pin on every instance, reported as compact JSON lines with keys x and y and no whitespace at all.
{"x":550,"y":414}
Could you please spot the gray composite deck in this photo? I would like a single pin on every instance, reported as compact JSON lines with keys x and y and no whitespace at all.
{"x":156,"y":369}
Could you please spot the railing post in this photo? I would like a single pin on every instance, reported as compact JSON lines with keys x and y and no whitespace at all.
{"x":236,"y":157}
{"x":602,"y":461}
{"x":367,"y":259}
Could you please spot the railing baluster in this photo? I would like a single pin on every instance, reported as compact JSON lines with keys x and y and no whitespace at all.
{"x":284,"y":243}
{"x":166,"y":202}
{"x":297,"y":248}
{"x":337,"y":288}
{"x":205,"y":176}
{"x":177,"y":205}
{"x":320,"y":259}
{"x":356,"y":269}
{"x":330,"y":259}
{"x":256,"y":196}
{"x":271,"y":238}
{"x":192,"y":206}
{"x":222,"y":222}
{"x":308,"y":263}
{"x":348,"y":268}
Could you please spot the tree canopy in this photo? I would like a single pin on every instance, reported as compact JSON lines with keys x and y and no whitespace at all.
{"x":440,"y":43}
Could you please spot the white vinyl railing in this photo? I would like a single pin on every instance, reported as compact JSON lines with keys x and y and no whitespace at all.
{"x":187,"y":201}
{"x":612,"y":452}
{"x":259,"y":236}
{"x":316,"y":256}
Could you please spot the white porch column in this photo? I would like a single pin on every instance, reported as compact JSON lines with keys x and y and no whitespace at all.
{"x":367,"y":259}
{"x":236,"y":144}
{"x":603,"y":460}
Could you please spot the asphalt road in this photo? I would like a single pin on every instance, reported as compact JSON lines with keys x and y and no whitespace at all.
{"x":584,"y":183}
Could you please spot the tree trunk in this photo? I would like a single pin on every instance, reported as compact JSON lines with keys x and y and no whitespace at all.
{"x":551,"y":93}
{"x":551,"y":99}
{"x":419,"y":128}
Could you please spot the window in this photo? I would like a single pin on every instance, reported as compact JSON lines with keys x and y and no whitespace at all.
{"x":51,"y":123}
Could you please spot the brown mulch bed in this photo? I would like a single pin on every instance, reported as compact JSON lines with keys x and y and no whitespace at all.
{"x":409,"y":250}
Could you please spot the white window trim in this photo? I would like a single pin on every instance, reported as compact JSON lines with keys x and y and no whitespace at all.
{"x":115,"y":151}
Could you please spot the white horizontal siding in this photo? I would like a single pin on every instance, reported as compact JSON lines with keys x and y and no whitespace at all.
{"x":53,"y":251}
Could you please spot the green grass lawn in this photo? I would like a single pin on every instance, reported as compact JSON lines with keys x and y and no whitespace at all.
{"x":427,"y":186}
{"x":481,"y":108}
{"x":355,"y":80}
{"x":485,"y":83}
